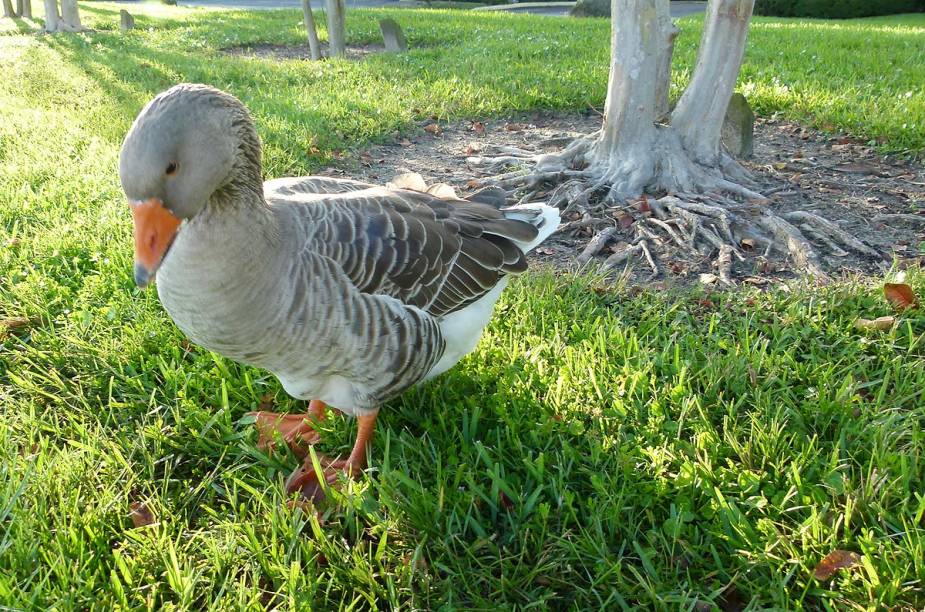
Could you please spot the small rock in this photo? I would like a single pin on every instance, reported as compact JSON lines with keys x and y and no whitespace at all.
{"x":739,"y":127}
{"x":126,"y":21}
{"x":393,"y":36}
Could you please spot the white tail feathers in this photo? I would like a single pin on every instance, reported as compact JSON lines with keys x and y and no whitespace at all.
{"x":542,"y":217}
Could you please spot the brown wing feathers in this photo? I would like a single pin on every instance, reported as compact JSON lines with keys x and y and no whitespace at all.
{"x":437,"y":254}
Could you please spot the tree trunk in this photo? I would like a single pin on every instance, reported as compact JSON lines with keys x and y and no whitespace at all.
{"x":669,"y":31}
{"x":26,"y":9}
{"x":337,"y":38}
{"x":8,"y":9}
{"x":70,"y":16}
{"x":683,"y":161}
{"x":702,"y":108}
{"x":311,"y":30}
{"x":51,"y":15}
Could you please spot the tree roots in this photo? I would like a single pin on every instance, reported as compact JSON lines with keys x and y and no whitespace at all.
{"x":695,"y":215}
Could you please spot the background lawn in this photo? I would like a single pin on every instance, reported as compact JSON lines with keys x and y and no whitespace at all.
{"x":602,"y":448}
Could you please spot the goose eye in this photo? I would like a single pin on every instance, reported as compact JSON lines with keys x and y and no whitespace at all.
{"x":171,"y":168}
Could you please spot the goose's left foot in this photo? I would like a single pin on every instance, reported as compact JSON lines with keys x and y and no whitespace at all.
{"x":295,"y":430}
{"x":307,"y":482}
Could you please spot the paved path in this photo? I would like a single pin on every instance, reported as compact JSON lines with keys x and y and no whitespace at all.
{"x":678,"y":9}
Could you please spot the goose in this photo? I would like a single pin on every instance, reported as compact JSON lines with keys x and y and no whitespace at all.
{"x":349,"y":293}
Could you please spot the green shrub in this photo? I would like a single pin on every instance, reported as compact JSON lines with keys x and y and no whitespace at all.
{"x":836,"y":9}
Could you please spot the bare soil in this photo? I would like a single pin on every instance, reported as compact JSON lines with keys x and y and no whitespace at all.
{"x":837,"y":177}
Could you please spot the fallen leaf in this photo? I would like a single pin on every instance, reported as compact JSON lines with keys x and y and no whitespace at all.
{"x":506,"y":502}
{"x":625,"y":220}
{"x":834,"y":561}
{"x":478,"y":127}
{"x":266,"y":402}
{"x":12,"y":242}
{"x":878,"y":324}
{"x":708,"y":279}
{"x":405,"y":142}
{"x":747,"y":244}
{"x":473,"y":184}
{"x":420,"y":564}
{"x":472,"y":148}
{"x":731,"y":600}
{"x":433,"y":128}
{"x":857,"y":168}
{"x":141,"y":515}
{"x":900,"y":295}
{"x":14,"y":323}
{"x":643,"y":205}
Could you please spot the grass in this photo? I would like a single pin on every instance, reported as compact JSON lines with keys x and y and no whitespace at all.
{"x":599,"y":450}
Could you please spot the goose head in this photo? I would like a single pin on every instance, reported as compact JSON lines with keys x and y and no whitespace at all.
{"x":191,"y":145}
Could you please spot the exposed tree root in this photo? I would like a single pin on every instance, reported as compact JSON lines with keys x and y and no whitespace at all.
{"x":707,"y":212}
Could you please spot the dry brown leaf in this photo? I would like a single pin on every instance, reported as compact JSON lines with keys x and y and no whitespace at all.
{"x":708,"y":279}
{"x":266,"y":402}
{"x":834,"y":561}
{"x":478,"y":127}
{"x":900,"y":295}
{"x":15,"y":323}
{"x":643,"y":205}
{"x":473,"y":184}
{"x":878,"y":324}
{"x":141,"y":515}
{"x":857,"y":168}
{"x":433,"y":128}
{"x":405,"y":142}
{"x":625,"y":220}
{"x":420,"y":564}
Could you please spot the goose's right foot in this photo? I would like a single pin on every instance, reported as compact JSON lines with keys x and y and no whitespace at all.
{"x":295,"y":430}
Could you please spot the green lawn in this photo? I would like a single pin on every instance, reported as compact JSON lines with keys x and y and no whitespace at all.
{"x":601,"y":448}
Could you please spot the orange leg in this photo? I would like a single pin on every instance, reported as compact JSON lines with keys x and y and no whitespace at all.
{"x":295,"y":430}
{"x":306,"y":481}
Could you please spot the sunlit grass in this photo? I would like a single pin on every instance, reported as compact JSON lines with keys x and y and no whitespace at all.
{"x":601,"y":449}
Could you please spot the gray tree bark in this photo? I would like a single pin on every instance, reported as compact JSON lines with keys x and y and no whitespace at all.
{"x":70,"y":17}
{"x":310,"y":29}
{"x":51,"y":16}
{"x":8,"y":9}
{"x":701,"y":109}
{"x":25,"y":9}
{"x":337,"y":37}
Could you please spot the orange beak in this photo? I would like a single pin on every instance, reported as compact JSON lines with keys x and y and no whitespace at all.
{"x":155,"y":228}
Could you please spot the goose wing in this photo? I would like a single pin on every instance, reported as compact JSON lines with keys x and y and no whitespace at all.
{"x":434,"y":253}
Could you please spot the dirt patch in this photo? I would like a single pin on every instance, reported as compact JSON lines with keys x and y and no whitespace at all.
{"x":298,"y":52}
{"x":839,"y":178}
